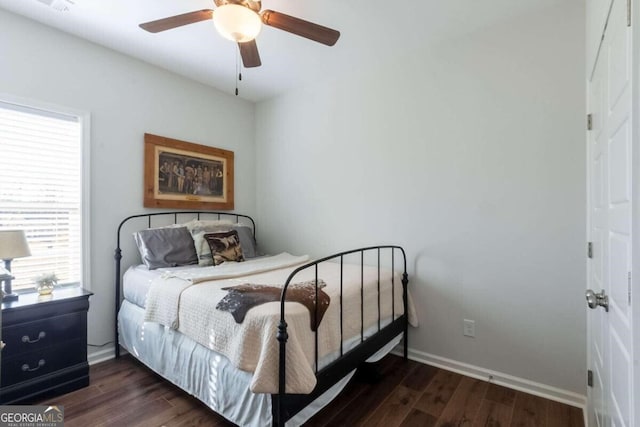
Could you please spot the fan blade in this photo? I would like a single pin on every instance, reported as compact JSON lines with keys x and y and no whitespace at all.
{"x":300,"y":27}
{"x":250,"y":55}
{"x":177,"y":21}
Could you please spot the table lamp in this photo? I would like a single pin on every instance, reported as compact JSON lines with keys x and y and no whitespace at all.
{"x":13,"y":244}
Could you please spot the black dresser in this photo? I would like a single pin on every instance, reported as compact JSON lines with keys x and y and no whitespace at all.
{"x":45,"y":349}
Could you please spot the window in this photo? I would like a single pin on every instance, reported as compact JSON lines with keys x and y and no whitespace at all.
{"x":41,"y":190}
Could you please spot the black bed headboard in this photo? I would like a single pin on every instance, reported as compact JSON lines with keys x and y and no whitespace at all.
{"x":157,"y":219}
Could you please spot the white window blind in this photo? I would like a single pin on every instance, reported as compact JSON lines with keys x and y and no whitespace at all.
{"x":41,"y":190}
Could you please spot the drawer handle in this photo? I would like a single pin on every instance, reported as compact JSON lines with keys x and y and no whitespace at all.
{"x":41,"y":335}
{"x":26,"y":367}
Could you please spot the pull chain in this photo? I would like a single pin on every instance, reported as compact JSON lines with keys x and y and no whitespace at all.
{"x":238,"y":71}
{"x":238,"y":75}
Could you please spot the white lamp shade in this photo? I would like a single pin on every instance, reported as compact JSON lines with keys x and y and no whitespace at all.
{"x":237,"y":23}
{"x":13,"y":244}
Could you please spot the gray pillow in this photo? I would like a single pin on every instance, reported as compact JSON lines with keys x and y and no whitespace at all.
{"x":166,"y":247}
{"x":247,"y":242}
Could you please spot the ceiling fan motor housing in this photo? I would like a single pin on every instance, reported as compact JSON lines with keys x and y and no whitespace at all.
{"x":253,"y":5}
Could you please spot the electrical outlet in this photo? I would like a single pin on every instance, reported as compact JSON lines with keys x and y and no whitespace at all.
{"x":469,"y":328}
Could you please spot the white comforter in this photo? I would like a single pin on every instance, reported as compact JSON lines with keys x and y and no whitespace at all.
{"x":186,"y":301}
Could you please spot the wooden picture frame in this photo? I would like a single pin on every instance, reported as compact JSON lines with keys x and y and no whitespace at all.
{"x":183,"y":175}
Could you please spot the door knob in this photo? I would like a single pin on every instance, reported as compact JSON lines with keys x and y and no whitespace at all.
{"x":597,"y":299}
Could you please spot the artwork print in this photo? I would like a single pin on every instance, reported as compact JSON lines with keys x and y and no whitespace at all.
{"x":186,"y":175}
{"x":180,"y":174}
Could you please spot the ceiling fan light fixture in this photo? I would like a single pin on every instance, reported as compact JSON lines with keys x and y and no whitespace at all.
{"x":237,"y":23}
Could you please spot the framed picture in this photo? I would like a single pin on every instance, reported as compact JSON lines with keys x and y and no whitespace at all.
{"x":183,"y":175}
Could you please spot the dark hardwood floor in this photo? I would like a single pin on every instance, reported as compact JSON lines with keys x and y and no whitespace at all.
{"x":125,"y":393}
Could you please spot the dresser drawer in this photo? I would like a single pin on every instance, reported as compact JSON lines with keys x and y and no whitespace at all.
{"x":31,"y":336}
{"x":38,"y":363}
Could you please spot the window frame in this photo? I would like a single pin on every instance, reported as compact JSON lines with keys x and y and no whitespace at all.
{"x":84,"y":120}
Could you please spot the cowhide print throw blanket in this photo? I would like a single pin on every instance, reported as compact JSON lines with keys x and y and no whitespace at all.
{"x":242,"y":298}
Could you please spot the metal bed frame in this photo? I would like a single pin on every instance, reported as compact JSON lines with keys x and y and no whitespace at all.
{"x":283,"y":405}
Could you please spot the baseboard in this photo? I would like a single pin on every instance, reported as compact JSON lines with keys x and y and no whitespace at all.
{"x":506,"y":380}
{"x":101,"y":355}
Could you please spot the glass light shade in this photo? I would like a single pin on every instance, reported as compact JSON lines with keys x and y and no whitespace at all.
{"x":237,"y":23}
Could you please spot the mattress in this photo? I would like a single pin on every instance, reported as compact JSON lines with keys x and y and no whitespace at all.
{"x":137,"y":281}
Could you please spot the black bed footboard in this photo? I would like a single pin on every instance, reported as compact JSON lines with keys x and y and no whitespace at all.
{"x":285,"y":406}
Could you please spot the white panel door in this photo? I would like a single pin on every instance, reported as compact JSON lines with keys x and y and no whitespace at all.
{"x":611,"y":400}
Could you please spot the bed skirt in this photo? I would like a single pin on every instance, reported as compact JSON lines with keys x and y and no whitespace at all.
{"x":209,"y":376}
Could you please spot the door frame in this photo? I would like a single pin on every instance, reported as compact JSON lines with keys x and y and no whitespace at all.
{"x":635,"y":193}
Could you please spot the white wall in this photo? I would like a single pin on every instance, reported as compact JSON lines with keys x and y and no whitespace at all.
{"x":471,"y":156}
{"x":126,"y":98}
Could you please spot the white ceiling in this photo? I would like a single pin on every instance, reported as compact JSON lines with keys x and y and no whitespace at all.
{"x":372,"y":31}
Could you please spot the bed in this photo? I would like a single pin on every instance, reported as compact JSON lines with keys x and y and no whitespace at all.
{"x":270,"y":340}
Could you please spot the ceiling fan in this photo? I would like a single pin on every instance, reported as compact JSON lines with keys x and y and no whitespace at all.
{"x":241,"y":20}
